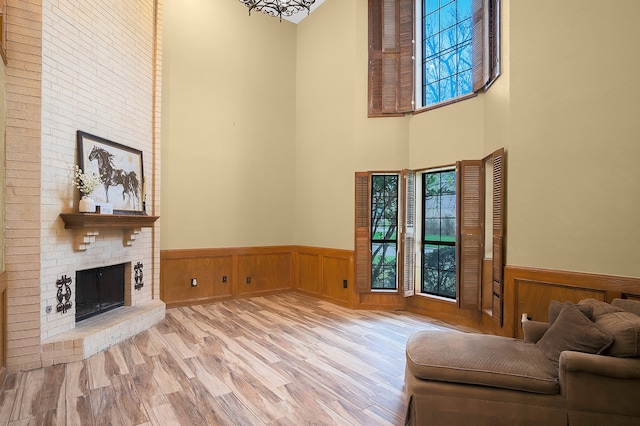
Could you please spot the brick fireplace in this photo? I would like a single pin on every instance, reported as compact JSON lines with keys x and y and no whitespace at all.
{"x":92,"y":67}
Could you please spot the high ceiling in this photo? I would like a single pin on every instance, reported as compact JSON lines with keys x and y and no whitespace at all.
{"x":301,"y":15}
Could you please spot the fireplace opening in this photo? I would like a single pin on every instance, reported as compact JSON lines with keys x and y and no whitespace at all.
{"x":99,"y":290}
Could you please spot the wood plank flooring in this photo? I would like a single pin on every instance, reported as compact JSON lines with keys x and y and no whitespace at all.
{"x":286,"y":359}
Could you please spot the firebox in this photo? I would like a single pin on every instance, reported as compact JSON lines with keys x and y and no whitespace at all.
{"x":99,"y":290}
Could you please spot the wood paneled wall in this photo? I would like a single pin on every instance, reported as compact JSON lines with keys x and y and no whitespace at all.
{"x":329,"y":274}
{"x":530,"y":290}
{"x":243,"y":272}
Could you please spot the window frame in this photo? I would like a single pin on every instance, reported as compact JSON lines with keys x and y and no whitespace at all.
{"x":396,"y":241}
{"x":471,"y":191}
{"x":420,"y":59}
{"x":392,"y":81}
{"x":423,"y":241}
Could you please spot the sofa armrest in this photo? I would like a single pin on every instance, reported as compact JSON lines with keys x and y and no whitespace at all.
{"x":599,"y":383}
{"x":534,"y":330}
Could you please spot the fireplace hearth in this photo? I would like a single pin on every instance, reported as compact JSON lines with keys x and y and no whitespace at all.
{"x":99,"y":290}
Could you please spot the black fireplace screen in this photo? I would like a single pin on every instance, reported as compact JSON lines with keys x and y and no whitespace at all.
{"x":99,"y":290}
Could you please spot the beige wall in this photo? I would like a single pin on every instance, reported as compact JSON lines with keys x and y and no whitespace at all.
{"x":574,"y":199}
{"x":565,"y":109}
{"x":334,"y":137}
{"x":228,"y":126}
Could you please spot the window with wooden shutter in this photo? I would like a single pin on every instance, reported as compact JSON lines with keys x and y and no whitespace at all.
{"x":391,"y":54}
{"x":470,"y":223}
{"x":362,"y":233}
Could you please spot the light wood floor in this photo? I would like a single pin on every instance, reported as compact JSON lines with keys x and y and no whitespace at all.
{"x":286,"y":359}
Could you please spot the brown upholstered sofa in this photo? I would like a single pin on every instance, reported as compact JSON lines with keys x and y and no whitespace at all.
{"x":581,"y":368}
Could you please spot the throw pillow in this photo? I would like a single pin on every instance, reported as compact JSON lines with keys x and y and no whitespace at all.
{"x":572,"y":331}
{"x":555,"y":307}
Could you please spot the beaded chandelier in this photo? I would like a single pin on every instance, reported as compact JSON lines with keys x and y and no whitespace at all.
{"x":278,"y":8}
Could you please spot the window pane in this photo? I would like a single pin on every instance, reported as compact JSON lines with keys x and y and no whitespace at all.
{"x":464,"y":9}
{"x":431,"y":93}
{"x":448,"y":205}
{"x":447,"y":89}
{"x":431,"y":70}
{"x":431,"y":5}
{"x":448,"y":230}
{"x":438,"y":274}
{"x":464,"y":82}
{"x":431,"y":46}
{"x":432,"y":231}
{"x":448,"y":16}
{"x":431,"y":25}
{"x":439,"y":234}
{"x":447,"y":39}
{"x":383,"y":266}
{"x":464,"y":31}
{"x":384,"y":231}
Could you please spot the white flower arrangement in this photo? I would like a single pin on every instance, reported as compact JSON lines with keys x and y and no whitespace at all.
{"x":86,"y":182}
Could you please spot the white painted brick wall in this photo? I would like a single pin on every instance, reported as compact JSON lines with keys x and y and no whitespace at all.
{"x":97,"y":76}
{"x":72,"y":65}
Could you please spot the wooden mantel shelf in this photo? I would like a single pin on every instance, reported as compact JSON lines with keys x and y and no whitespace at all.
{"x":90,"y":223}
{"x":102,"y":221}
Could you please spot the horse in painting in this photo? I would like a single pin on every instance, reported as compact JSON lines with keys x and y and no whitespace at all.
{"x":112,"y":176}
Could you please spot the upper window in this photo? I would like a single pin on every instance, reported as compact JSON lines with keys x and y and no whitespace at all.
{"x":446,"y":66}
{"x":430,"y":52}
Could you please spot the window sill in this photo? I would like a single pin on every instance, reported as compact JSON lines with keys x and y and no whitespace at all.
{"x":445,"y":103}
{"x":437,"y":298}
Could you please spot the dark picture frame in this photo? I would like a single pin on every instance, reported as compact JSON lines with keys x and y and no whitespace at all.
{"x":120,"y":168}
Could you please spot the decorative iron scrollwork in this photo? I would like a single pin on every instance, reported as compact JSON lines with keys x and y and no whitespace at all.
{"x":64,"y":294}
{"x":138,"y":276}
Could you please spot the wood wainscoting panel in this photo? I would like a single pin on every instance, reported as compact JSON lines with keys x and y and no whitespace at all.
{"x":322,"y":273}
{"x":310,"y":273}
{"x":263,"y":273}
{"x":336,"y":285}
{"x":213,"y":275}
{"x":529,"y":290}
{"x":533,"y":298}
{"x":252,"y":271}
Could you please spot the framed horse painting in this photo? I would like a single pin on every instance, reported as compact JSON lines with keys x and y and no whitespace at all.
{"x":120,"y":170}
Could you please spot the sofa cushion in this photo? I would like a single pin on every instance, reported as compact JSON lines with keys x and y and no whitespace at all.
{"x":573,"y":331}
{"x":621,"y":322}
{"x":555,"y":307}
{"x":627,"y":304}
{"x":625,"y":328}
{"x":480,"y":359}
{"x":599,"y":307}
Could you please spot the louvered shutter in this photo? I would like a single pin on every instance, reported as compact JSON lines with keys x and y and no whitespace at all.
{"x":470,"y":216}
{"x":409,"y":254}
{"x":362,"y":235}
{"x":498,"y":235}
{"x":480,"y":33}
{"x":391,"y":57}
{"x":486,"y":42}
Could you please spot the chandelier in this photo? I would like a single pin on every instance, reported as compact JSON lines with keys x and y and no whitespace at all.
{"x":278,"y":8}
